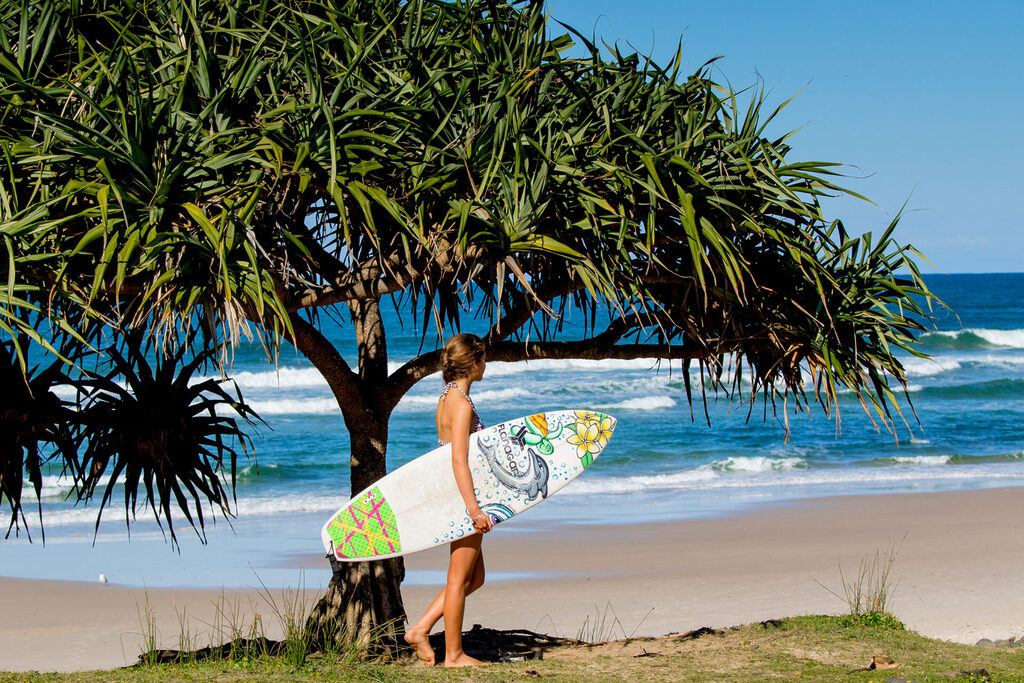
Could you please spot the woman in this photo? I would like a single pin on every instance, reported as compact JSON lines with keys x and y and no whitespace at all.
{"x":462,"y":363}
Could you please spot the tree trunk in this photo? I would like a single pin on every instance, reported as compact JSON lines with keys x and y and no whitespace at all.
{"x":363,"y":605}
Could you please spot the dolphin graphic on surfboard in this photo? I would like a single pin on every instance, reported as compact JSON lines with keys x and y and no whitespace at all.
{"x":515,"y":465}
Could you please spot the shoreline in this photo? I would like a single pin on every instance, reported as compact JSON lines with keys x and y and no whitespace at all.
{"x":958,"y":566}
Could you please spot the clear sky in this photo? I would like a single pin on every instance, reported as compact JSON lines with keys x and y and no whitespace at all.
{"x":923,"y":100}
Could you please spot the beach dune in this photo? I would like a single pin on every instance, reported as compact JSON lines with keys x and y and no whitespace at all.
{"x":958,"y":570}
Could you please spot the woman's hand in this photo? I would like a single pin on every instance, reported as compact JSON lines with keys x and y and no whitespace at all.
{"x":482,"y":522}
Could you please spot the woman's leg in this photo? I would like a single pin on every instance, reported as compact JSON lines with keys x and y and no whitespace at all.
{"x":464,"y":565}
{"x":418,"y":634}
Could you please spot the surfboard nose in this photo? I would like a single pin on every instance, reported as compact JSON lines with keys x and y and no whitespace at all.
{"x":608,"y":422}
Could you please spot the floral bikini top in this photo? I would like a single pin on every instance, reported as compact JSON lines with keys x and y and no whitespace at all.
{"x":478,"y":424}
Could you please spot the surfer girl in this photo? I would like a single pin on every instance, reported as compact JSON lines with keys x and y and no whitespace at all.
{"x":462,"y":363}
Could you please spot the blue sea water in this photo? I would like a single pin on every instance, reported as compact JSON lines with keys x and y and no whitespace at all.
{"x":662,"y":463}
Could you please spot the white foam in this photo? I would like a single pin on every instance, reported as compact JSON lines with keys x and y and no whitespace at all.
{"x":81,"y":515}
{"x":1002,"y":360}
{"x":281,"y":378}
{"x":296,"y":406}
{"x":922,"y":459}
{"x":642,"y":403}
{"x":53,"y":485}
{"x":1011,"y":338}
{"x":254,"y":507}
{"x":65,"y":391}
{"x":757,"y":464}
{"x":921,"y":367}
{"x":937,"y":365}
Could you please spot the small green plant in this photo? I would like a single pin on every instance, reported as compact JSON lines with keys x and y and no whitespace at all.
{"x":880,"y":620}
{"x":237,"y":638}
{"x":291,"y":616}
{"x":868,"y":594}
{"x":186,"y":639}
{"x":149,"y":632}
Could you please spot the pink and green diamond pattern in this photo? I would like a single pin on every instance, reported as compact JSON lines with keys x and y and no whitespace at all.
{"x":366,"y":528}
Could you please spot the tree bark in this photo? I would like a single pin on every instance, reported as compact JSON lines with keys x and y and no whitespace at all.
{"x":363,"y":605}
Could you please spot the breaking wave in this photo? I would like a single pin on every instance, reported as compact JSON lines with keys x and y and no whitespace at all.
{"x":973,"y":339}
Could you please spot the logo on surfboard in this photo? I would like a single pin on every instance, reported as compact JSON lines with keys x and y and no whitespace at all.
{"x":531,"y":481}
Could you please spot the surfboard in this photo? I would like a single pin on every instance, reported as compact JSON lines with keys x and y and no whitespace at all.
{"x":515,"y":465}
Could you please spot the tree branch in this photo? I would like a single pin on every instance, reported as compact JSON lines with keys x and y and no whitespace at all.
{"x":601,"y":346}
{"x":345,"y":289}
{"x":403,"y":379}
{"x":325,"y":358}
{"x":590,"y":349}
{"x":360,"y":282}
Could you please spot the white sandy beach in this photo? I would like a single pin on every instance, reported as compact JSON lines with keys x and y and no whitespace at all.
{"x":959,"y":566}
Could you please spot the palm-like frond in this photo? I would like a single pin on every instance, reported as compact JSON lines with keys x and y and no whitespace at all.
{"x":34,"y":428}
{"x":158,"y":434}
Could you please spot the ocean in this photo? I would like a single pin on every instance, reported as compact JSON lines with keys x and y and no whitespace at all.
{"x":663,"y":463}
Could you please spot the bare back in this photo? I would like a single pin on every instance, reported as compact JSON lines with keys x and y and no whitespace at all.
{"x":456,"y":416}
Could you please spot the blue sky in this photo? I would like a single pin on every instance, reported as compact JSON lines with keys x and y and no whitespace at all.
{"x":922,"y":100}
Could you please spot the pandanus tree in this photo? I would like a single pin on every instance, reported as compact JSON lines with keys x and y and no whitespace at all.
{"x":176,"y":175}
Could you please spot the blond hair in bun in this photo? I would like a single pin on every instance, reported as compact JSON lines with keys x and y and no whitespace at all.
{"x":459,"y":355}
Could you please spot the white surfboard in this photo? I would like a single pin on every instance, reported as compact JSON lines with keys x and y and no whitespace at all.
{"x":515,"y":465}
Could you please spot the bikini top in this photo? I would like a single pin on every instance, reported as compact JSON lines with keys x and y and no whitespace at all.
{"x":478,"y":424}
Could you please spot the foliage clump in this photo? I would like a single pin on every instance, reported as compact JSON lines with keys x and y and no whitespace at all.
{"x":873,"y":619}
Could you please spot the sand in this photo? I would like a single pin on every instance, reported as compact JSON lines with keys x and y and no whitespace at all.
{"x":958,"y":570}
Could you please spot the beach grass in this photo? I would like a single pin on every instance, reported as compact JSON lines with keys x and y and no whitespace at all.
{"x":811,"y":648}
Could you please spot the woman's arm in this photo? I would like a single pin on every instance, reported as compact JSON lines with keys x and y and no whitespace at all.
{"x":462,"y":420}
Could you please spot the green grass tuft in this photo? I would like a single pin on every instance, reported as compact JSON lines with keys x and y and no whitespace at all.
{"x":882,"y":620}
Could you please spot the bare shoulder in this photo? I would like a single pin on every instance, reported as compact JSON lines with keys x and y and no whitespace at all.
{"x":456,"y":406}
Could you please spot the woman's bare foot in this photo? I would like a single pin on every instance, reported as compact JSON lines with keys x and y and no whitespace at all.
{"x":420,"y":642}
{"x":462,"y":659}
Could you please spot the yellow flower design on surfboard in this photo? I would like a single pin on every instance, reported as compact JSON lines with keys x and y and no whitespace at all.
{"x":590,"y":433}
